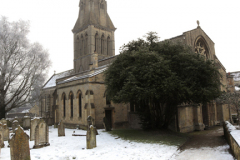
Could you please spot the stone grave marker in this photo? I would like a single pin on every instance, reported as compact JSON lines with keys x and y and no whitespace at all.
{"x":91,"y":137}
{"x":41,"y":135}
{"x":106,"y":124}
{"x":34,"y":123}
{"x":15,"y":125}
{"x":3,"y":121}
{"x":61,"y":129}
{"x":1,"y":133}
{"x":5,"y":132}
{"x":26,"y":122}
{"x":19,"y":145}
{"x":90,"y":121}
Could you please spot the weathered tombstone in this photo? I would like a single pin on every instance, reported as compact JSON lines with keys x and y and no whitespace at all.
{"x":5,"y":132}
{"x":90,"y":122}
{"x":15,"y":125}
{"x":1,"y":133}
{"x":61,"y":129}
{"x":106,"y":124}
{"x":19,"y":145}
{"x":41,"y":135}
{"x":91,"y":138}
{"x":3,"y":121}
{"x":34,"y":123}
{"x":26,"y":122}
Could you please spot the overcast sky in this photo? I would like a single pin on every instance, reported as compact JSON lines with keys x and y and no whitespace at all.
{"x":51,"y":23}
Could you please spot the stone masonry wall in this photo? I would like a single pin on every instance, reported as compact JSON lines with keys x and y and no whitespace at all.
{"x":233,"y":138}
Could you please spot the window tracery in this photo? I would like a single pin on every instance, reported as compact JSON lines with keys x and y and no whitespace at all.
{"x":201,"y":48}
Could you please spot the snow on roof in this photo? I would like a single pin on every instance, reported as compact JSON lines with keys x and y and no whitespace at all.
{"x":236,"y":76}
{"x":237,"y":88}
{"x":96,"y":72}
{"x":26,"y":111}
{"x":52,"y":81}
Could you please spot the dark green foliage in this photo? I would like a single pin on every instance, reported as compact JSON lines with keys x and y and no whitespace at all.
{"x":158,"y":76}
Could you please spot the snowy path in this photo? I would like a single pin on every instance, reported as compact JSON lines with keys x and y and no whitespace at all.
{"x":69,"y":147}
{"x":205,"y":145}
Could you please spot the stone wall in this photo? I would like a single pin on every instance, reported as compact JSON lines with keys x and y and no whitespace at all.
{"x":233,"y":138}
{"x":93,"y":102}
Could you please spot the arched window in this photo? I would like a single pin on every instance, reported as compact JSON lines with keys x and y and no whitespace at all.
{"x":201,"y":47}
{"x":71,"y":104}
{"x":102,"y":44}
{"x":64,"y":105}
{"x":108,"y":46}
{"x":96,"y":42}
{"x":82,"y":46}
{"x":86,"y":45}
{"x":80,"y":104}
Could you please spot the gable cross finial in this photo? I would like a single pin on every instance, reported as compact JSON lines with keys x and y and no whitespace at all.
{"x":198,"y":23}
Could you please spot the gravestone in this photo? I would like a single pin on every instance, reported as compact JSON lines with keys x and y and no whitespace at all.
{"x":3,"y":121}
{"x":1,"y":133}
{"x":61,"y":129}
{"x":106,"y":124}
{"x":26,"y":122}
{"x":90,"y":122}
{"x":5,"y":132}
{"x":19,"y":145}
{"x":41,"y":135}
{"x":34,"y":123}
{"x":15,"y":125}
{"x":91,"y":137}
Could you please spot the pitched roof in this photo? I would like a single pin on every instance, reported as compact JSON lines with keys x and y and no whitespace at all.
{"x":52,"y":81}
{"x":88,"y":75}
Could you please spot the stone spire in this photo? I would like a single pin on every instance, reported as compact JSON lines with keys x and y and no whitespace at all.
{"x":93,"y":12}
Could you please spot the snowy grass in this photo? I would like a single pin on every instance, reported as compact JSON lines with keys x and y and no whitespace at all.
{"x":108,"y":147}
{"x":158,"y":137}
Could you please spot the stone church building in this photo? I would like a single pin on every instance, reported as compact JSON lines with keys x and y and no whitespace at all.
{"x":73,"y":95}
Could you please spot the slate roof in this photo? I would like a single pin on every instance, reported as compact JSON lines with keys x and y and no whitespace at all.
{"x":52,"y":81}
{"x":87,"y":75}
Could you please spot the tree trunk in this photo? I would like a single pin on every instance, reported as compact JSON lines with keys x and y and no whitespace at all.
{"x":2,"y":106}
{"x":238,"y":115}
{"x":2,"y":112}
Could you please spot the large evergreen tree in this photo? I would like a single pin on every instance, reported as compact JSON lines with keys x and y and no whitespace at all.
{"x":156,"y":77}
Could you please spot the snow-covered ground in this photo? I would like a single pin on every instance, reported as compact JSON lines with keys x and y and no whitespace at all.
{"x":108,"y":147}
{"x":205,"y":153}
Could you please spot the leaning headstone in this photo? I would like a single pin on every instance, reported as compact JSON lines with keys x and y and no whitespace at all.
{"x":15,"y":125}
{"x":61,"y":129}
{"x":91,"y":138}
{"x":19,"y":145}
{"x":106,"y":124}
{"x":5,"y":132}
{"x":34,"y":123}
{"x":1,"y":133}
{"x":26,"y":122}
{"x":41,"y":135}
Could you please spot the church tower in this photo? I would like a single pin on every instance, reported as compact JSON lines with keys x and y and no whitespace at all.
{"x":93,"y":33}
